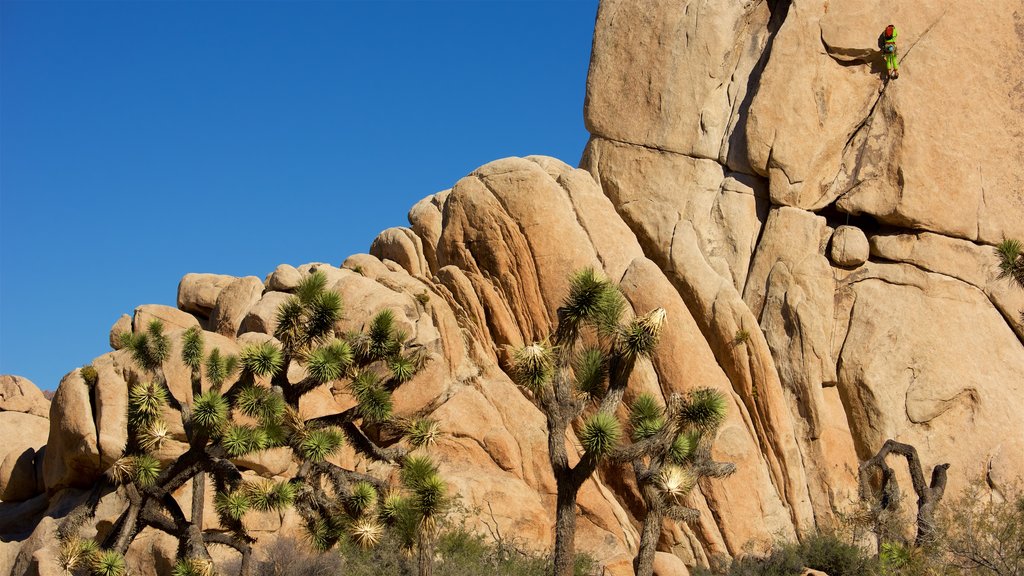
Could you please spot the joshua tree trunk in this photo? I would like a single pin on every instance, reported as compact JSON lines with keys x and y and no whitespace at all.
{"x":425,"y":565}
{"x":565,"y":530}
{"x":650,"y":533}
{"x":928,"y":496}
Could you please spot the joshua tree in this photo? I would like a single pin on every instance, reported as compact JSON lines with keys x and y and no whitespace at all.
{"x":671,"y":451}
{"x":928,"y":494}
{"x":257,"y":412}
{"x":1011,"y":261}
{"x":586,"y":365}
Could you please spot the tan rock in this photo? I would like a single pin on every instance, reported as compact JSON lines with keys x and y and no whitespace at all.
{"x":72,"y":457}
{"x":262,"y":317}
{"x":655,"y":190}
{"x":687,"y":99}
{"x":273,"y":462}
{"x":284,"y":278}
{"x":18,"y":394}
{"x":197,"y":293}
{"x":172,"y":318}
{"x":849,"y":246}
{"x":121,"y":326}
{"x":666,"y":564}
{"x":233,"y":303}
{"x":402,"y":246}
{"x":23,"y":435}
{"x":952,"y":386}
{"x":426,"y":221}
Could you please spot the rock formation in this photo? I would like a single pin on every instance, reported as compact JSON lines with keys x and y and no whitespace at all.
{"x":821,"y":241}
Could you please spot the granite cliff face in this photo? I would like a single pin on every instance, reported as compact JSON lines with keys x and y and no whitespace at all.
{"x":820,"y":240}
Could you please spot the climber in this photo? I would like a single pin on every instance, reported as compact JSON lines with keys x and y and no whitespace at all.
{"x":887,"y":44}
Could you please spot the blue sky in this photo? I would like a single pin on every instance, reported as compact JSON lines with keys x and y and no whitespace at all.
{"x":140,"y":141}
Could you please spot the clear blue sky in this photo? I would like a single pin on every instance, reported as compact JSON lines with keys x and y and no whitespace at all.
{"x":140,"y":141}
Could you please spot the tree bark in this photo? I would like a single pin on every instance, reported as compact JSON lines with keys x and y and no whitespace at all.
{"x":928,"y":496}
{"x":650,"y":532}
{"x":565,"y":529}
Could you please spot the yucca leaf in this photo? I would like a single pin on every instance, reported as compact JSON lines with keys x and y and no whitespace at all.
{"x":320,"y":443}
{"x":641,"y":336}
{"x":192,"y":347}
{"x":367,"y":533}
{"x":322,"y":312}
{"x":430,"y":496}
{"x":311,"y":286}
{"x":362,"y":498}
{"x":144,"y":403}
{"x":704,"y":409}
{"x":289,"y":320}
{"x":590,"y":370}
{"x":533,"y":366}
{"x":232,"y":505}
{"x":374,"y":404}
{"x":600,"y":434}
{"x":145,"y":469}
{"x":323,"y":366}
{"x":210,"y":411}
{"x":423,"y":432}
{"x":154,"y":436}
{"x":581,"y":305}
{"x":402,"y":369}
{"x":676,"y":482}
{"x":263,"y":360}
{"x":382,"y":326}
{"x":417,"y":468}
{"x":108,"y":563}
{"x":683,"y":446}
{"x":392,"y":506}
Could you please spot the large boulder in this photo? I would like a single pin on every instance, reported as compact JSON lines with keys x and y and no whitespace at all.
{"x":19,"y":394}
{"x":23,"y":434}
{"x":198,"y":293}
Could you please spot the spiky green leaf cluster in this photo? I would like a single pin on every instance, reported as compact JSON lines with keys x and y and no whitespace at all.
{"x":533,"y":366}
{"x":1010,"y":253}
{"x":329,"y":362}
{"x":90,"y":375}
{"x":308,"y":318}
{"x":423,"y":432}
{"x":430,"y":496}
{"x":193,"y":567}
{"x":240,"y":439}
{"x":416,"y":469}
{"x":402,"y":369}
{"x":591,"y":301}
{"x":320,"y":443}
{"x":374,"y":400}
{"x":646,"y":416}
{"x":704,"y":409}
{"x":382,"y":337}
{"x":261,"y":403}
{"x":233,"y":504}
{"x":263,"y":359}
{"x":322,"y":532}
{"x":75,"y":553}
{"x":192,"y":347}
{"x":210,"y":411}
{"x":145,"y":401}
{"x":590,"y":368}
{"x":108,"y":563}
{"x":362,"y":498}
{"x":683,"y":446}
{"x":145,"y":469}
{"x":641,"y":336}
{"x":265,"y":495}
{"x":150,"y":348}
{"x":392,"y":506}
{"x":600,"y":434}
{"x":219,"y":368}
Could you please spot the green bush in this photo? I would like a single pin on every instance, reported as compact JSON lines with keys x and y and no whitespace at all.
{"x":821,"y":552}
{"x":459,"y":553}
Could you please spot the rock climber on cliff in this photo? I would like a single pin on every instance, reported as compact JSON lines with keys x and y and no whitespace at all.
{"x":887,"y":44}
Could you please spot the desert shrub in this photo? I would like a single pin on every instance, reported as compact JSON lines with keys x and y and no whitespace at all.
{"x":983,"y":533}
{"x":824,"y":552}
{"x":460,"y":552}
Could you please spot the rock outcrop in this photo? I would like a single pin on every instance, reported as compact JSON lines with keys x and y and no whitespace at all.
{"x":821,"y":241}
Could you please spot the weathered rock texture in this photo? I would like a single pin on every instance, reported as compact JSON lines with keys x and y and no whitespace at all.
{"x":820,"y":240}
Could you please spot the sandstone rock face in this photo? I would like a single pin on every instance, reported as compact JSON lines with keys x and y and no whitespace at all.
{"x":23,"y":434}
{"x":19,"y":394}
{"x":821,"y":242}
